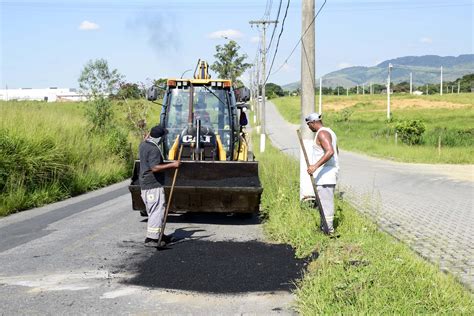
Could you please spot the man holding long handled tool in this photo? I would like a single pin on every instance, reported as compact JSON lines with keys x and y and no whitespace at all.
{"x":152,"y":180}
{"x":325,"y":166}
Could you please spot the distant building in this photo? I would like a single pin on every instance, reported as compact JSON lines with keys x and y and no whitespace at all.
{"x":52,"y":94}
{"x":417,"y":92}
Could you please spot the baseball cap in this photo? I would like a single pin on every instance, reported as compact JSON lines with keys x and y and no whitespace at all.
{"x":313,"y":117}
{"x":158,"y":131}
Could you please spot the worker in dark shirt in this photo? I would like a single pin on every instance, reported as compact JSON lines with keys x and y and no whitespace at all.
{"x":152,"y":180}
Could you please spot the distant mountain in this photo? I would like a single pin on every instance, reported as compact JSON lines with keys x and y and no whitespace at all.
{"x":425,"y":69}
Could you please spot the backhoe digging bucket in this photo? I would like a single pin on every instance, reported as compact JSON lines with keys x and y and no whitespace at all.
{"x":209,"y":186}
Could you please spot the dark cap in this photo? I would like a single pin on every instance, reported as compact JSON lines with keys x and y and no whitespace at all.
{"x":158,"y":131}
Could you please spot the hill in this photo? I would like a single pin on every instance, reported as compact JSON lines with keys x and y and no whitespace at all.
{"x":425,"y":69}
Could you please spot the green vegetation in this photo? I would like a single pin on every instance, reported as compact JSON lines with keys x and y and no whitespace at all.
{"x":364,"y":271}
{"x":361,"y":125}
{"x":47,"y":152}
{"x":229,"y":64}
{"x":273,"y":90}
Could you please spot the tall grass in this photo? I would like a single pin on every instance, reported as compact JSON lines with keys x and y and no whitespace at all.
{"x":365,"y":271}
{"x":48,"y":153}
{"x":362,"y":127}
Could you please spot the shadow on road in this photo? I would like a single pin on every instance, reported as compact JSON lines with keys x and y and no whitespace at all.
{"x":219,"y":267}
{"x":215,"y":218}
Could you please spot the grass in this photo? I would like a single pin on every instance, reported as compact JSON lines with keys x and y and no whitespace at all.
{"x":47,"y":153}
{"x":365,"y":271}
{"x":361,"y":125}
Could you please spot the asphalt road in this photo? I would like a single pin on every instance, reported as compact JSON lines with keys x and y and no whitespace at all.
{"x":429,"y":207}
{"x":85,"y":255}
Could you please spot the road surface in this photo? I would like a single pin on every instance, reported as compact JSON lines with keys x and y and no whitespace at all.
{"x":85,"y":255}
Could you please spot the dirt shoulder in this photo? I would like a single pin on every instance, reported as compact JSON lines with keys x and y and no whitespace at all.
{"x":401,"y":104}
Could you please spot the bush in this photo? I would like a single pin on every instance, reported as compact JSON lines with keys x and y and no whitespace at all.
{"x":344,"y":115}
{"x":99,"y":114}
{"x":450,"y":137}
{"x":116,"y":139}
{"x":410,"y":131}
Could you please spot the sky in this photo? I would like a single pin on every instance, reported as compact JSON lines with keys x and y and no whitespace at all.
{"x":46,"y":43}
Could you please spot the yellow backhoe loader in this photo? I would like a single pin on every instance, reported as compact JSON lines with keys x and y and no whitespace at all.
{"x":218,"y":172}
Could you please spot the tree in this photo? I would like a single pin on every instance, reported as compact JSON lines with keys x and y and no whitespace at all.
{"x":402,"y":87}
{"x":129,"y":90}
{"x":273,"y":90}
{"x":229,"y":64}
{"x":98,"y":82}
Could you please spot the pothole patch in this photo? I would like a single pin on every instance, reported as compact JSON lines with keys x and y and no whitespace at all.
{"x":219,"y":267}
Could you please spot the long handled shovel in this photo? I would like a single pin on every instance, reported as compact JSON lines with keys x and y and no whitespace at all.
{"x":162,"y":230}
{"x":317,"y":201}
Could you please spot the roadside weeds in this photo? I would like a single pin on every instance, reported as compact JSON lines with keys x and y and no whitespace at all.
{"x":363,"y":271}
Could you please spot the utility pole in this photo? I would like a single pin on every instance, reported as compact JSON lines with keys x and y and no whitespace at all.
{"x":388,"y":90}
{"x":308,"y":70}
{"x":426,"y":89}
{"x":259,"y":106}
{"x":264,"y":24}
{"x":347,"y":91}
{"x":441,"y":82}
{"x":459,"y":86}
{"x":357,"y":89}
{"x":320,"y":95}
{"x":338,"y":91}
{"x":411,"y":83}
{"x":252,"y":100}
{"x":363,"y":89}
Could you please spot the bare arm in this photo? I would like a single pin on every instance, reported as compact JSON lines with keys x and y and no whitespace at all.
{"x":325,"y":140}
{"x":164,"y":166}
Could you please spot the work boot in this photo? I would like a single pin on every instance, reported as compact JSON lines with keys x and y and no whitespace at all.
{"x":150,"y":242}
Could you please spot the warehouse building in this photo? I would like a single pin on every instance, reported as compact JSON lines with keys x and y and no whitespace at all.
{"x":52,"y":94}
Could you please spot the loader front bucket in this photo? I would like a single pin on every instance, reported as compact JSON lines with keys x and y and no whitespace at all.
{"x":212,"y":186}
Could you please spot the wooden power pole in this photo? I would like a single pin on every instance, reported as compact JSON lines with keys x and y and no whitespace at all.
{"x":308,"y":70}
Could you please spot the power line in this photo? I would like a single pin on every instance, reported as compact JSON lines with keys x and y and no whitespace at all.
{"x":274,"y":28}
{"x":301,"y":38}
{"x":268,"y":7}
{"x":278,"y":41}
{"x":383,"y":6}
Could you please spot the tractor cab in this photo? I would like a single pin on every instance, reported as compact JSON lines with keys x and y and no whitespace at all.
{"x":202,"y":116}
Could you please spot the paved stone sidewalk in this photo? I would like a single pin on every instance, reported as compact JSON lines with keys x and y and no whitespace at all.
{"x":431,"y":212}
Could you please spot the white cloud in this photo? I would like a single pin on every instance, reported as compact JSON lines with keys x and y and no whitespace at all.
{"x":344,"y":65}
{"x":255,"y":39}
{"x":230,"y":34}
{"x":88,"y":26}
{"x":426,"y":40}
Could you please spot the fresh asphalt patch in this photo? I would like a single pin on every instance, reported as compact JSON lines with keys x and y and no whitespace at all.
{"x":219,"y":267}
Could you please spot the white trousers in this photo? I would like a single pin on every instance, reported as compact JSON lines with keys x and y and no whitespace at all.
{"x":326,"y":195}
{"x":154,"y":200}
